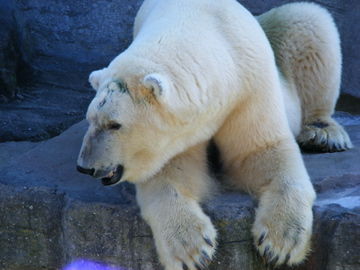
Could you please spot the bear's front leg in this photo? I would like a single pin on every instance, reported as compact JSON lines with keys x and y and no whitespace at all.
{"x":184,"y":236}
{"x":276,"y":175}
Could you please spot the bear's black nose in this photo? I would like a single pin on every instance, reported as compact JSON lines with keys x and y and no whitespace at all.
{"x":85,"y":170}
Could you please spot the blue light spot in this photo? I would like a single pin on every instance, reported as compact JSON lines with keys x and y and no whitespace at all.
{"x":90,"y":265}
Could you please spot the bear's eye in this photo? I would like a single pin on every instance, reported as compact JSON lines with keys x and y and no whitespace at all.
{"x":114,"y":126}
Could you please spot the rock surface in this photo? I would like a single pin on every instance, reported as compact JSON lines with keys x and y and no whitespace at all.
{"x":8,"y":53}
{"x":51,"y":215}
{"x":44,"y":112}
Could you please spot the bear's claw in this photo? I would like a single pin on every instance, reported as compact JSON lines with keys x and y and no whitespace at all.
{"x":189,"y":246}
{"x":282,"y":242}
{"x":287,"y":258}
{"x":261,"y":239}
{"x":208,"y":241}
{"x":203,"y":261}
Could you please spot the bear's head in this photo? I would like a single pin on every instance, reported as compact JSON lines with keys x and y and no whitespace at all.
{"x":137,"y":122}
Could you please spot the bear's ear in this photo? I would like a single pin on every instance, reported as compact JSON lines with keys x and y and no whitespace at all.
{"x":96,"y":77}
{"x":158,"y":84}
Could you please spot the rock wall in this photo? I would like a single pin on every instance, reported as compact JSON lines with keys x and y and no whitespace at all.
{"x":60,"y":42}
{"x":8,"y":55}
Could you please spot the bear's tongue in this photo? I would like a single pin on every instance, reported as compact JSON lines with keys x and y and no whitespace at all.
{"x":107,"y":179}
{"x":110,"y":174}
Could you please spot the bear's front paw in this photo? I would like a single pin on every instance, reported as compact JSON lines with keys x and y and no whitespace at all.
{"x":185,"y":241}
{"x":282,"y":234}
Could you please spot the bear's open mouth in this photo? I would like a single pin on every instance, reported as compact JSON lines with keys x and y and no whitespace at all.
{"x":113,"y":176}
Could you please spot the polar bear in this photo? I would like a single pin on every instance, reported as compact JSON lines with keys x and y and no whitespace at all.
{"x":204,"y":69}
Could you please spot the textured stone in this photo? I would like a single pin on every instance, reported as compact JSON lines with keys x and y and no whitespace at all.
{"x":45,"y":112}
{"x":50,"y":215}
{"x":30,"y":230}
{"x":11,"y":150}
{"x":64,"y":40}
{"x":111,"y":233}
{"x":8,"y":53}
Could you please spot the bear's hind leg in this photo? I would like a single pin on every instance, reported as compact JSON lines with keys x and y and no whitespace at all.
{"x":307,"y":50}
{"x":317,"y":75}
{"x":184,"y":236}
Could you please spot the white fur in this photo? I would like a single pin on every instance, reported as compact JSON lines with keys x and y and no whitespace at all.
{"x":205,"y":69}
